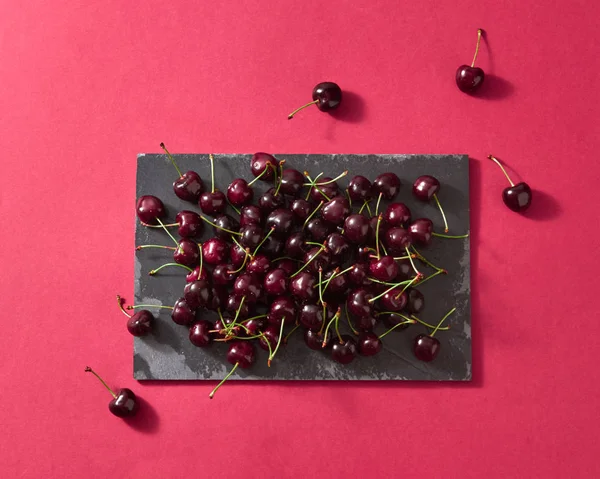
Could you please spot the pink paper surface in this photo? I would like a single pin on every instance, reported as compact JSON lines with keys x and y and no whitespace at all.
{"x":85,"y":86}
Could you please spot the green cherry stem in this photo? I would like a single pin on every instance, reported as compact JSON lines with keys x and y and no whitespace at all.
{"x":248,"y":255}
{"x":320,"y":286}
{"x":278,"y":343}
{"x":120,"y":301}
{"x":437,"y":202}
{"x":220,"y":227}
{"x":409,"y":321}
{"x":312,"y":185}
{"x":365,"y":205}
{"x":144,"y":246}
{"x":156,"y":270}
{"x":167,"y":231}
{"x":440,"y":235}
{"x":269,"y":165}
{"x":285,"y":340}
{"x":169,"y":225}
{"x":377,"y":205}
{"x":263,"y":240}
{"x":324,"y":318}
{"x":280,"y":180}
{"x":212,"y":172}
{"x":331,"y":321}
{"x":412,"y":262}
{"x":313,"y":213}
{"x":420,"y":321}
{"x":336,"y":324}
{"x":162,"y":145}
{"x":339,"y":177}
{"x":90,"y":370}
{"x":416,"y":279}
{"x":150,"y":306}
{"x":377,"y":234}
{"x":309,"y":261}
{"x":262,"y":335}
{"x":212,"y":393}
{"x":233,"y":207}
{"x":349,"y":199}
{"x":393,"y":287}
{"x":335,"y":273}
{"x":441,"y":321}
{"x":422,"y":258}
{"x":348,"y":319}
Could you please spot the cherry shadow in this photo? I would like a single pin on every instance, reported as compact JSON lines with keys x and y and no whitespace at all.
{"x":351,"y":109}
{"x":495,"y":88}
{"x":146,"y":420}
{"x":543,"y":207}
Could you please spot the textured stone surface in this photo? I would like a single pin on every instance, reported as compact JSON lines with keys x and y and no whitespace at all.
{"x":168,"y":354}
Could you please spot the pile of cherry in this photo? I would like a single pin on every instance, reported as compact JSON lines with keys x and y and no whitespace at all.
{"x":307,"y":255}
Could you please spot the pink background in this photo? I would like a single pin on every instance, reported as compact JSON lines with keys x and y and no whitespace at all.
{"x":87,"y":85}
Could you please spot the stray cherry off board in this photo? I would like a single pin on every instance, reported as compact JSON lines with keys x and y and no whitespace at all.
{"x":168,"y":354}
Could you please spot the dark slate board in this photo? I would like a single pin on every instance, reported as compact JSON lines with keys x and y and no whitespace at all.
{"x":168,"y":354}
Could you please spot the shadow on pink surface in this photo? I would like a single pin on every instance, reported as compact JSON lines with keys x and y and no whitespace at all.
{"x":543,"y":207}
{"x":351,"y":109}
{"x":495,"y":88}
{"x":146,"y":420}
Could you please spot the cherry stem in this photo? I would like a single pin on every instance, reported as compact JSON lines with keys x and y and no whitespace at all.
{"x":220,"y":227}
{"x":162,"y":145}
{"x":422,"y":258}
{"x":377,"y":205}
{"x":372,"y":256}
{"x":291,"y":115}
{"x":320,"y":286}
{"x":254,"y":317}
{"x":441,"y":211}
{"x":339,"y":177}
{"x":154,"y":271}
{"x":150,"y":306}
{"x":287,"y":257}
{"x":407,"y":283}
{"x":439,"y":271}
{"x":234,"y":208}
{"x":309,"y":261}
{"x":237,"y":313}
{"x":365,"y":205}
{"x":144,"y":246}
{"x":377,"y":234}
{"x":262,"y":335}
{"x":416,"y":279}
{"x":442,"y":320}
{"x":278,"y":342}
{"x":337,"y":330}
{"x":327,"y":330}
{"x":120,"y":301}
{"x":440,"y":235}
{"x":211,"y":395}
{"x":263,"y":240}
{"x":348,"y":319}
{"x":324,"y":318}
{"x":349,"y":199}
{"x":409,"y":321}
{"x":312,"y":185}
{"x":167,"y":231}
{"x":248,"y":255}
{"x":280,"y":177}
{"x":201,"y":265}
{"x":420,"y":321}
{"x":267,"y":165}
{"x":495,"y":160}
{"x":384,"y":250}
{"x":335,"y":273}
{"x":90,"y":370}
{"x":313,"y":213}
{"x":170,"y":225}
{"x":212,"y":171}
{"x":479,"y":32}
{"x":290,"y":333}
{"x":412,"y":262}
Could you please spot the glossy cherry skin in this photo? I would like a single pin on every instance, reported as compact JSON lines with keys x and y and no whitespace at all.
{"x":248,"y":285}
{"x":197,"y":293}
{"x":182,"y":313}
{"x":200,"y":334}
{"x":405,"y":270}
{"x":469,"y":79}
{"x":295,"y":245}
{"x":251,"y":237}
{"x":301,"y":210}
{"x":344,"y":352}
{"x":356,"y":228}
{"x":314,"y":340}
{"x":281,"y":220}
{"x":270,"y":201}
{"x":319,"y":229}
{"x":421,"y":231}
{"x":225,"y":222}
{"x":369,"y":344}
{"x":213,"y":203}
{"x":338,"y":247}
{"x":384,"y":269}
{"x":232,"y":306}
{"x":261,"y":162}
{"x":149,"y":208}
{"x":518,"y":197}
{"x":283,"y":308}
{"x":416,"y":301}
{"x":396,"y":214}
{"x":425,"y":187}
{"x":272,"y":247}
{"x":302,"y":286}
{"x":218,"y":298}
{"x":125,"y":404}
{"x":189,"y":186}
{"x":250,"y":215}
{"x":197,"y":274}
{"x":337,"y":285}
{"x":426,"y":348}
{"x":259,"y":265}
{"x":359,"y":275}
{"x":336,"y":210}
{"x":316,"y":258}
{"x":237,"y":255}
{"x":360,"y":189}
{"x":140,"y":323}
{"x":388,"y":185}
{"x":397,"y":240}
{"x":358,"y":303}
{"x":288,"y":265}
{"x":328,"y":95}
{"x":327,"y":187}
{"x":392,"y":301}
{"x":271,"y":333}
{"x":311,"y":316}
{"x":392,"y":319}
{"x":222,"y":274}
{"x":254,"y":326}
{"x":215,"y":251}
{"x":275,"y":282}
{"x":292,"y":182}
{"x":190,"y":224}
{"x":187,"y":253}
{"x":239,"y":192}
{"x":241,"y":353}
{"x":365,"y":323}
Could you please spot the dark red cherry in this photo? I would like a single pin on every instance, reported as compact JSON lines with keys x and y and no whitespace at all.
{"x":222,"y":275}
{"x":360,"y":189}
{"x":197,"y":274}
{"x":356,"y":228}
{"x":359,"y":275}
{"x":314,"y":340}
{"x":213,"y":203}
{"x":292,"y":182}
{"x":405,"y":270}
{"x":369,"y":344}
{"x":270,"y":334}
{"x":281,"y":220}
{"x":363,"y":253}
{"x":416,"y":301}
{"x":311,"y":316}
{"x":275,"y":282}
{"x":365,"y":323}
{"x":344,"y":352}
{"x":259,"y":265}
{"x":251,"y":237}
{"x":295,"y":246}
{"x":325,"y":186}
{"x":517,"y":197}
{"x":338,"y":247}
{"x":200,"y":334}
{"x":302,"y":286}
{"x":182,"y":313}
{"x":301,"y":210}
{"x":187,"y":253}
{"x":373,"y":230}
{"x":149,"y":208}
{"x":336,"y":210}
{"x":396,"y":214}
{"x":421,"y":231}
{"x":124,"y":403}
{"x":255,"y":326}
{"x":397,"y":240}
{"x":250,"y":215}
{"x":248,"y":285}
{"x":197,"y":293}
{"x":237,"y":254}
{"x":190,"y":224}
{"x":426,"y":348}
{"x":189,"y":186}
{"x":264,"y":163}
{"x":393,"y":319}
{"x":358,"y":303}
{"x":225,"y":222}
{"x":318,"y":258}
{"x":218,"y":298}
{"x":215,"y":251}
{"x":270,"y":201}
{"x":239,"y":192}
{"x":140,"y":323}
{"x":384,"y":269}
{"x":288,"y":265}
{"x":337,"y":285}
{"x":425,"y":187}
{"x":470,"y":78}
{"x":241,"y":353}
{"x":319,"y":229}
{"x":388,"y":185}
{"x":283,"y":308}
{"x":392,"y":301}
{"x":232,"y":306}
{"x":326,"y":95}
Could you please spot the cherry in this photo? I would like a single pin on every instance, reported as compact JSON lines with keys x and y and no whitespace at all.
{"x":396,"y":321}
{"x":149,"y":208}
{"x":190,"y":224}
{"x":213,"y":203}
{"x":392,"y":301}
{"x":275,"y":282}
{"x":316,"y":258}
{"x":326,"y":95}
{"x":301,"y":210}
{"x":358,"y":302}
{"x":242,"y":354}
{"x":360,"y":189}
{"x":251,"y":237}
{"x":215,"y":251}
{"x":314,"y":339}
{"x":339,"y":284}
{"x":222,"y":223}
{"x":250,"y":215}
{"x":218,"y":298}
{"x":281,"y":220}
{"x":287,"y":265}
{"x":197,"y":293}
{"x":197,"y":274}
{"x":365,"y":323}
{"x":405,"y":270}
{"x":223,"y":274}
{"x":237,"y":255}
{"x":387,"y":185}
{"x":138,"y":324}
{"x":272,"y":246}
{"x":270,"y":334}
{"x":264,"y":166}
{"x":189,"y":185}
{"x":239,"y":193}
{"x":200,"y":333}
{"x":344,"y":352}
{"x":318,"y":229}
{"x":282,"y":308}
{"x":396,"y":214}
{"x":124,"y":403}
{"x":295,"y":245}
{"x":356,"y":228}
{"x":327,"y":189}
{"x":516,"y":197}
{"x":470,"y":78}
{"x":369,"y":344}
{"x":234,"y":305}
{"x":187,"y":252}
{"x":416,"y":301}
{"x":426,"y":187}
{"x":292,"y":182}
{"x":359,"y":275}
{"x":248,"y":285}
{"x":426,"y":347}
{"x":302,"y":286}
{"x":182,"y":313}
{"x":259,"y":265}
{"x":383,"y":228}
{"x":271,"y":200}
{"x":255,"y":325}
{"x":338,"y":247}
{"x":311,"y":316}
{"x":397,"y":240}
{"x":421,"y":231}
{"x":384,"y":269}
{"x":336,"y":210}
